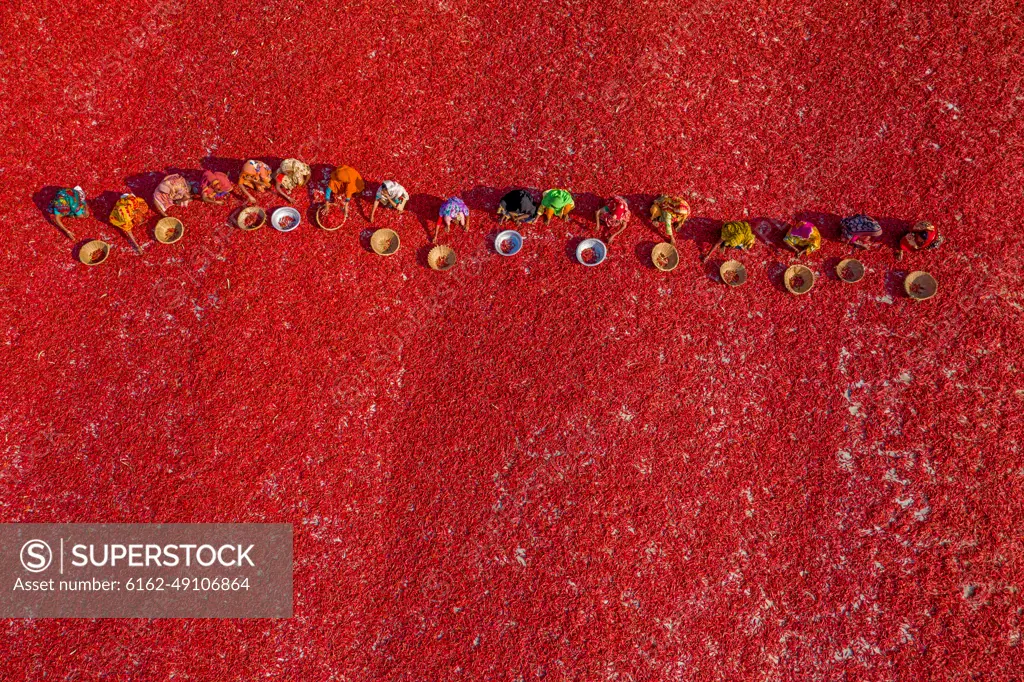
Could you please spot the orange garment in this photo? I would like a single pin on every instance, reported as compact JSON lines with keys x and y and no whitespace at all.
{"x":345,"y":180}
{"x":255,"y":175}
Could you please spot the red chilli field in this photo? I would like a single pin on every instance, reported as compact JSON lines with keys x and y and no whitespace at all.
{"x":523,"y":468}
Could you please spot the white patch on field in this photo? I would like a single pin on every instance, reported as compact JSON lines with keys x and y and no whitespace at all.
{"x":625,"y":415}
{"x":893,"y":477}
{"x":653,"y":551}
{"x":734,"y":578}
{"x":521,"y":555}
{"x":845,"y":459}
{"x":844,"y":355}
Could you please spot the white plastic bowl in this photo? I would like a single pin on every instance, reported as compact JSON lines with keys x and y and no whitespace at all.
{"x":600,"y":250}
{"x":285,"y":212}
{"x":511,"y":235}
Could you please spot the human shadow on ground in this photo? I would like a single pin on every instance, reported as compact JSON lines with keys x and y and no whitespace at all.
{"x":483,"y":200}
{"x":425,"y":208}
{"x":776,"y":272}
{"x":44,"y":196}
{"x":703,"y":232}
{"x":643,"y":252}
{"x":770,"y":231}
{"x":220,"y":164}
{"x":893,"y":230}
{"x":893,"y":282}
{"x":142,"y":185}
{"x":828,"y":268}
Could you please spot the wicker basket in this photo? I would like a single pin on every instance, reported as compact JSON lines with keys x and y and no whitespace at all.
{"x":94,"y":252}
{"x":248,"y":212}
{"x":319,"y":216}
{"x":920,"y":286}
{"x":169,"y":230}
{"x":850,"y":270}
{"x":665,"y":257}
{"x":733,"y":273}
{"x":798,"y":279}
{"x":441,"y":258}
{"x":385,"y":242}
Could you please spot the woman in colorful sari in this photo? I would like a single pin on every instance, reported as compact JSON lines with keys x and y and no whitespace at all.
{"x":672,"y":212}
{"x":803,"y":238}
{"x":390,"y":194}
{"x":860,"y":231}
{"x":69,"y":203}
{"x":616,"y":217}
{"x":517,"y":206}
{"x":556,"y":203}
{"x":128,"y":212}
{"x":173,"y":190}
{"x":924,"y":235}
{"x":255,"y":176}
{"x":291,"y":175}
{"x":345,"y":183}
{"x":453,"y":209}
{"x":736,"y":234}
{"x":214,"y":188}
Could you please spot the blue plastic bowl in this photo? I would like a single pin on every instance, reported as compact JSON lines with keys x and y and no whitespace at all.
{"x":510,"y":235}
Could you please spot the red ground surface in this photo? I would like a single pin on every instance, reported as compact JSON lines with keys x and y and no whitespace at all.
{"x":525,"y":468}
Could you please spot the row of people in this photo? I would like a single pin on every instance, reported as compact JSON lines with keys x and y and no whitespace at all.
{"x":518,"y":206}
{"x":214,"y":188}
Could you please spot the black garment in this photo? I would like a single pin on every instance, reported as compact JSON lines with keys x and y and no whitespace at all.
{"x":518,"y":201}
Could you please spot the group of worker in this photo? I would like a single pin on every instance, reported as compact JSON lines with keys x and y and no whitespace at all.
{"x":518,"y":206}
